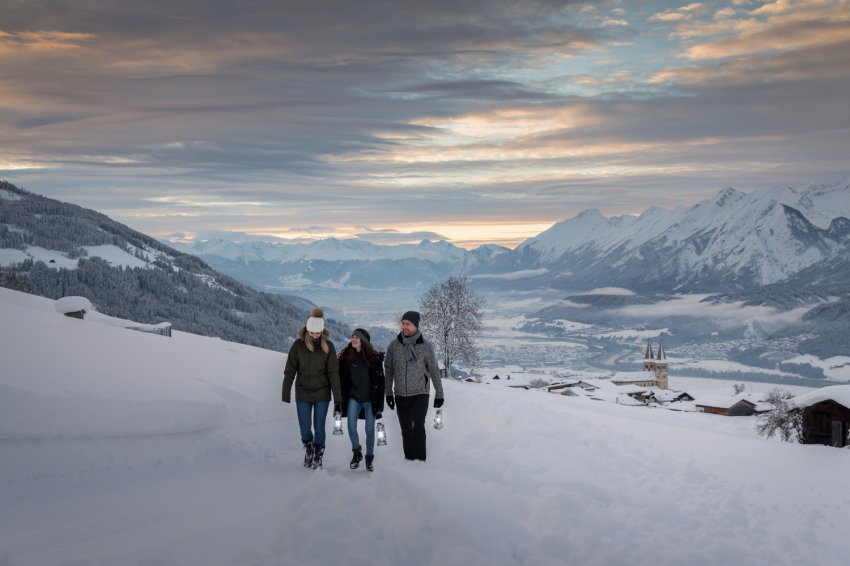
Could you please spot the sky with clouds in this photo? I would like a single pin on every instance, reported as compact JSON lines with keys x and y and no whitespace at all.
{"x":477,"y":121}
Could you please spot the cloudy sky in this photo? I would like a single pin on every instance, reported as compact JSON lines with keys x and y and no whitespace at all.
{"x":478,"y":121}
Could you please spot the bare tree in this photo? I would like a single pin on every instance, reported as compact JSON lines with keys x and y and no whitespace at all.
{"x":782,"y":418}
{"x":451,"y":317}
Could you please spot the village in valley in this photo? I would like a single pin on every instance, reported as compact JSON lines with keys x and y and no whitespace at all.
{"x":825,"y":411}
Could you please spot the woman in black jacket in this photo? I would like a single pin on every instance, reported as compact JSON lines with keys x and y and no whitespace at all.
{"x":361,"y":374}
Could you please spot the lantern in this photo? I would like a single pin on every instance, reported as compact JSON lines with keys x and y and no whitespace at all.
{"x":438,"y":419}
{"x":337,"y":423}
{"x":382,"y":434}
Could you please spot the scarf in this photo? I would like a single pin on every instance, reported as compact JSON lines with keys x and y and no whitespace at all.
{"x":408,"y":345}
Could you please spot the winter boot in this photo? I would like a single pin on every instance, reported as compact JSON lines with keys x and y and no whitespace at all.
{"x":308,"y":454}
{"x":318,"y":452}
{"x":355,"y":458}
{"x":370,"y":459}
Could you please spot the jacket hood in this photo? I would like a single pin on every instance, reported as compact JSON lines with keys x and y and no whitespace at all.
{"x":303,"y":333}
{"x":324,"y":340}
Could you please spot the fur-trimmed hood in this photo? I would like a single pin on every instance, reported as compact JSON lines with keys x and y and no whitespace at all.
{"x":302,"y":334}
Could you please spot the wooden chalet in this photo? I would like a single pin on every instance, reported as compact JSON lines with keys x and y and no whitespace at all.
{"x":726,"y":405}
{"x":826,"y":415}
{"x":660,"y":396}
{"x":581,"y":384}
{"x":75,"y":307}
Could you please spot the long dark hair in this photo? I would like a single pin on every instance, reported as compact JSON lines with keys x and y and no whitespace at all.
{"x":367,"y":354}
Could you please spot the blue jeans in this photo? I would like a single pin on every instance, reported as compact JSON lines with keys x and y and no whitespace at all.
{"x":318,"y":413}
{"x":354,"y":407}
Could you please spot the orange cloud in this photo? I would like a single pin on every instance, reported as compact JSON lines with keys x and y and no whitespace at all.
{"x":778,"y":26}
{"x":679,"y":14}
{"x":44,"y":40}
{"x":777,"y":38}
{"x":725,"y":13}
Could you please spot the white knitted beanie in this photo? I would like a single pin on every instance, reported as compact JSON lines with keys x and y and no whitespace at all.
{"x":316,"y":322}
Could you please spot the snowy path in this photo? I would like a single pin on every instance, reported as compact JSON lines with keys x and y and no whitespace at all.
{"x":600,"y":484}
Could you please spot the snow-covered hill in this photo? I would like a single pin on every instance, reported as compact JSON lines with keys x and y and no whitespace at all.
{"x":53,"y":249}
{"x":118,"y":447}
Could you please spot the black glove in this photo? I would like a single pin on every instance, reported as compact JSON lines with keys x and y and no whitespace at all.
{"x":391,"y":402}
{"x":378,"y":415}
{"x":438,"y":402}
{"x":337,"y":407}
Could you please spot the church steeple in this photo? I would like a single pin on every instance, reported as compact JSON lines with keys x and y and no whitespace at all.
{"x":648,"y":362}
{"x":660,"y":366}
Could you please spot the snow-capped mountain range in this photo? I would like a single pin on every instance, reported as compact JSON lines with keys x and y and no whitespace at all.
{"x":335,"y":263}
{"x":731,"y":242}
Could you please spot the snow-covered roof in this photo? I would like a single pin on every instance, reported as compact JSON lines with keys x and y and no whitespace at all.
{"x":721,"y":401}
{"x":666,"y":394}
{"x":685,"y":406}
{"x":573,"y":392}
{"x":629,"y":389}
{"x":629,"y":376}
{"x":626,"y":400}
{"x":72,"y":304}
{"x":838,"y":393}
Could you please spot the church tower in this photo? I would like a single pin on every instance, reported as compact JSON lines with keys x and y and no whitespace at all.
{"x":648,"y":361}
{"x":660,"y":366}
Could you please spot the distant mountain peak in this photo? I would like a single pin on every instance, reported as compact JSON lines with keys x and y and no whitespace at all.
{"x":590,"y":213}
{"x":727,"y":197}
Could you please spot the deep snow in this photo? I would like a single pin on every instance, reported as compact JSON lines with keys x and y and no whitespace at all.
{"x":119,"y":447}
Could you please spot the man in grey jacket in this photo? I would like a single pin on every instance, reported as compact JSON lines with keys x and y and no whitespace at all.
{"x":409,"y":366}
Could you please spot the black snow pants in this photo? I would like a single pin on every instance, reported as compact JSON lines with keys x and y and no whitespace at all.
{"x":411,"y":416}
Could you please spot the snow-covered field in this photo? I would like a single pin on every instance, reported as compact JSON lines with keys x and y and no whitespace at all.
{"x":835,"y":369}
{"x":52,"y":258}
{"x":119,"y":447}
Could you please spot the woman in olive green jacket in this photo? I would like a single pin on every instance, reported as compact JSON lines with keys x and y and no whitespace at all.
{"x":313,"y":366}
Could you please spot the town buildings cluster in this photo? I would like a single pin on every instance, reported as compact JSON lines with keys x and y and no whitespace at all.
{"x":825,"y":412}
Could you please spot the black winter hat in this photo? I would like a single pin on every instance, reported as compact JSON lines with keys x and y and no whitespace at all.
{"x":362,"y":334}
{"x":411,"y":316}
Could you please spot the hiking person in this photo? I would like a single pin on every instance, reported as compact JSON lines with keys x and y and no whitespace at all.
{"x":361,"y":376}
{"x":313,"y":366}
{"x":410,"y":365}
